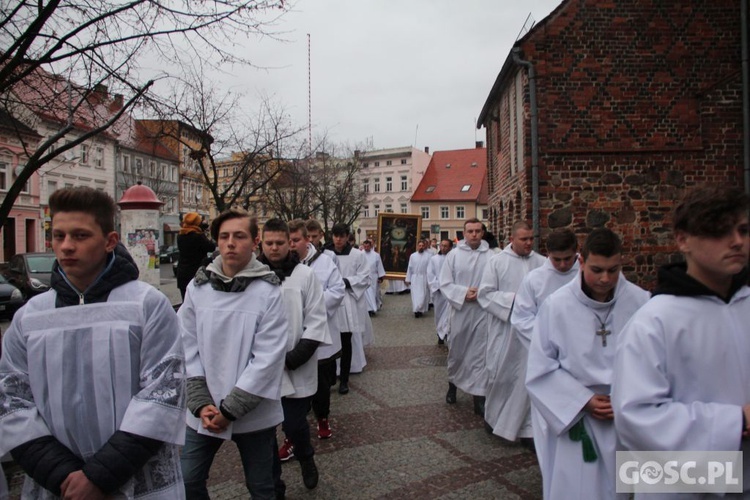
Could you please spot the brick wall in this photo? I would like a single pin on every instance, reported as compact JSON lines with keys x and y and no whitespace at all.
{"x":638,"y":100}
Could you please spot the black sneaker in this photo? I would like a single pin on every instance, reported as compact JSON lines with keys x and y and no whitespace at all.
{"x":450,"y":397}
{"x":343,"y":387}
{"x":309,"y":472}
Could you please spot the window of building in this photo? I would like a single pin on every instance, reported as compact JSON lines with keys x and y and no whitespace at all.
{"x":404,"y":208}
{"x":377,"y":185}
{"x":174,"y":174}
{"x":365,"y":211}
{"x":376,"y":209}
{"x":84,"y":154}
{"x":3,"y":176}
{"x":126,"y":163}
{"x":99,"y":157}
{"x":460,"y":213}
{"x":465,"y":188}
{"x":365,"y":165}
{"x":151,"y":168}
{"x":403,"y":161}
{"x":138,"y":166}
{"x":26,"y":187}
{"x":51,"y":187}
{"x":389,"y":208}
{"x":163,"y":172}
{"x":388,"y":163}
{"x":425,"y":212}
{"x":485,"y":214}
{"x":377,"y":163}
{"x":389,"y":184}
{"x":404,"y":183}
{"x":366,"y":185}
{"x":444,"y":212}
{"x":430,"y":189}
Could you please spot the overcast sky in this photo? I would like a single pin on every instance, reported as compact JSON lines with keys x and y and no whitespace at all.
{"x":396,"y":72}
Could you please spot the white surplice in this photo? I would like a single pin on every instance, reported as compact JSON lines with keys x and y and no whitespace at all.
{"x":442,"y":309}
{"x":329,"y":276}
{"x":352,"y":315}
{"x":567,"y":366}
{"x":81,"y":373}
{"x":306,"y":315}
{"x":536,"y":286}
{"x":507,"y":406}
{"x":463,"y":268}
{"x":396,"y":286}
{"x":375,"y":265}
{"x":416,"y":276}
{"x":682,"y":375}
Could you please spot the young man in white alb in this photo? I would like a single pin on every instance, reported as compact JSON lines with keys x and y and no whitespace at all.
{"x":682,"y":374}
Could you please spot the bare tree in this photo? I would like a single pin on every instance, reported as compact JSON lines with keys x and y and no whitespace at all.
{"x":253,"y":146}
{"x":99,"y":44}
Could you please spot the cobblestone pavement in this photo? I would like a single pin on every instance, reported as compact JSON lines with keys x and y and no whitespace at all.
{"x":393,"y":434}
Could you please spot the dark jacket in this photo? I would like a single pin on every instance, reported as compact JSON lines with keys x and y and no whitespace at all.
{"x":193,"y":249}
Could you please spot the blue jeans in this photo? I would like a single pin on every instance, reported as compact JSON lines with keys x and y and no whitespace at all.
{"x":257,"y":454}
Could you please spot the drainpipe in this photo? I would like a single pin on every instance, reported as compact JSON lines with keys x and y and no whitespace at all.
{"x":534,"y":143}
{"x":745,"y":96}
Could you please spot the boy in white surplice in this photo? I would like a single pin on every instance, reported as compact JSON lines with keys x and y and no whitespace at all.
{"x":681,"y":374}
{"x":92,"y":394}
{"x":234,"y":329}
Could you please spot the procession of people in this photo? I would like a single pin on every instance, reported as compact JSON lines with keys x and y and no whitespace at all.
{"x":559,"y":351}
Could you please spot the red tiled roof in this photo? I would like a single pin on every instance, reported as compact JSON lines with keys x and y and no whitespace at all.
{"x":468,"y":167}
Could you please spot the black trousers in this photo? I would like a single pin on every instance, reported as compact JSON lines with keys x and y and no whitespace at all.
{"x":346,"y":357}
{"x":321,"y":401}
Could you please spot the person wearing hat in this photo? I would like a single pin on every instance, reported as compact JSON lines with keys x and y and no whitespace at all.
{"x":193,"y":246}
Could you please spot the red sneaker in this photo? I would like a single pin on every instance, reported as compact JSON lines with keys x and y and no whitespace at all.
{"x":286,"y":451}
{"x":324,"y":429}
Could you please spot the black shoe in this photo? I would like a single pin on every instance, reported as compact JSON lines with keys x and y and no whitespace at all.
{"x":309,"y":473}
{"x":487,"y":427}
{"x":371,"y":313}
{"x":528,"y":443}
{"x":450,"y":397}
{"x":479,"y":406}
{"x":343,"y":387}
{"x":441,"y":341}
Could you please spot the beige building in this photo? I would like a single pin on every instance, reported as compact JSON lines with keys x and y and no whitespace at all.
{"x":389,"y":177}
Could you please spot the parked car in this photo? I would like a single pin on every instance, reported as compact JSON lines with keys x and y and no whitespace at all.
{"x":30,"y":272}
{"x":11,"y":299}
{"x":168,"y":253}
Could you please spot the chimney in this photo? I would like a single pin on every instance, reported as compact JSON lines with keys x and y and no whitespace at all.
{"x":427,"y":149}
{"x":479,"y":144}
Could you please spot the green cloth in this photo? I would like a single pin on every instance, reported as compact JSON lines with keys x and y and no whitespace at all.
{"x":578,"y":433}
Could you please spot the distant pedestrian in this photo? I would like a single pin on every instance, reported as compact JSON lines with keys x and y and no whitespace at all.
{"x":416,"y":279}
{"x":442,"y":308}
{"x":377,"y":273}
{"x":194,"y":247}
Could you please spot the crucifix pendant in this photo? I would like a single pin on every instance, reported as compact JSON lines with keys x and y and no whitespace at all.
{"x":603,"y":332}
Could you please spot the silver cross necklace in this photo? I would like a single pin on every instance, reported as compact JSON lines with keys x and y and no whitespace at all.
{"x":602,"y":330}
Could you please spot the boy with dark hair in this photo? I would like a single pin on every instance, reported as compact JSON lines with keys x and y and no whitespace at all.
{"x":306,"y":313}
{"x":92,"y":392}
{"x":234,"y":329}
{"x":681,"y":373}
{"x":559,"y":269}
{"x":352,"y":316}
{"x":329,"y":276}
{"x":569,"y":372}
